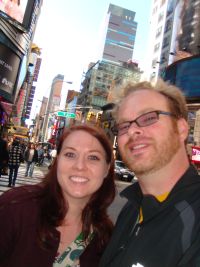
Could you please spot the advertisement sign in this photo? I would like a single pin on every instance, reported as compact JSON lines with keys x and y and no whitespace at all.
{"x":19,"y":130}
{"x":9,"y":66}
{"x":185,"y":74}
{"x":17,"y":12}
{"x":196,"y":154}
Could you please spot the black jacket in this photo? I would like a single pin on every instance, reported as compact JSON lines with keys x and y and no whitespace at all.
{"x":3,"y":151}
{"x":169,"y":235}
{"x":35,"y":156}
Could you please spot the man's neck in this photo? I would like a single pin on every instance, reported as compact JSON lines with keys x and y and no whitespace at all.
{"x":164,"y":179}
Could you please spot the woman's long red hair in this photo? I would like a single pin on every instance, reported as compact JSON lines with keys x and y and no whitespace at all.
{"x":53,"y":206}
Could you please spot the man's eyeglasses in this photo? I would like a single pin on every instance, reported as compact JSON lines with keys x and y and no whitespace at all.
{"x":143,"y":120}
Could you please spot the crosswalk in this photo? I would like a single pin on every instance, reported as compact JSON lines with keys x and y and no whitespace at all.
{"x":38,"y":175}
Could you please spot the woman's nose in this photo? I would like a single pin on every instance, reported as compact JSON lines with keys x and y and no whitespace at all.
{"x":80,"y":163}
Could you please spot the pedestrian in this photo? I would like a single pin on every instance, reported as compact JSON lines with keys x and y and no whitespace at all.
{"x":62,"y":221}
{"x":15,"y":158}
{"x":40,"y":151}
{"x":53,"y":155}
{"x":159,"y":225}
{"x":31,"y":157}
{"x":3,"y":154}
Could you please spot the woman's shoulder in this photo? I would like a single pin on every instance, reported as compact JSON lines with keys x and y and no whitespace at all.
{"x":20,"y":195}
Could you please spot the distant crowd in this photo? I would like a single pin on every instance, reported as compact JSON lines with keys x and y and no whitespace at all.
{"x":15,"y":151}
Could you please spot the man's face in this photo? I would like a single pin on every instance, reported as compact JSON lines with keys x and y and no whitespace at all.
{"x":147,"y":149}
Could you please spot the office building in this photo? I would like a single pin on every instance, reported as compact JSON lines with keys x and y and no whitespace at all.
{"x":120,"y":29}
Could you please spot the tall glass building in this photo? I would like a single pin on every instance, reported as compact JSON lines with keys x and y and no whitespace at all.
{"x":120,"y":35}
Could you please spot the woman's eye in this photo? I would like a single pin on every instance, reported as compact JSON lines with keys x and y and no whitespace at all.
{"x":69,"y":155}
{"x":93,"y":157}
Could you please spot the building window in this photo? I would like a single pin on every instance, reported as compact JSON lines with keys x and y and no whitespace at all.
{"x":154,"y":62}
{"x":158,"y":32}
{"x":162,"y":3}
{"x":165,"y":42}
{"x":156,"y":47}
{"x":168,"y":25}
{"x":160,"y":17}
{"x":155,"y":10}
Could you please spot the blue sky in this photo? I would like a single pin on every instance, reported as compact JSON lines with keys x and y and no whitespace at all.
{"x":68,"y":32}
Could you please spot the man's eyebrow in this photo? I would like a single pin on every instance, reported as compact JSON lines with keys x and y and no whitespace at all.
{"x":142,"y":112}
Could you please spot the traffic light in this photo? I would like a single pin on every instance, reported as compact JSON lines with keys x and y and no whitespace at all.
{"x":99,"y":118}
{"x":90,"y":116}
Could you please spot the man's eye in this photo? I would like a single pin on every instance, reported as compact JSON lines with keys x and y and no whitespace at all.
{"x":93,"y":157}
{"x":149,"y":118}
{"x":69,"y":155}
{"x":122,"y":127}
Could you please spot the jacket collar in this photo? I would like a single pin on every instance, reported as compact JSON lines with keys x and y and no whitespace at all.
{"x":150,"y":205}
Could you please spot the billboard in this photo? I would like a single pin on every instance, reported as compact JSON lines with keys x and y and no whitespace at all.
{"x":9,"y":67}
{"x":17,"y":12}
{"x":185,"y":74}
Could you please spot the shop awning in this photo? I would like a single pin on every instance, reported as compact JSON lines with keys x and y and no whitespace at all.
{"x":8,"y":108}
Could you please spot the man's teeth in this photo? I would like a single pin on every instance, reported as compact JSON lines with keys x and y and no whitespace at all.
{"x":138,"y":147}
{"x":78,"y":179}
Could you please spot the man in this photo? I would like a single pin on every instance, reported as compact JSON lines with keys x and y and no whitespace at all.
{"x":3,"y":154}
{"x":160,"y":224}
{"x":31,"y":157}
{"x":40,"y":152}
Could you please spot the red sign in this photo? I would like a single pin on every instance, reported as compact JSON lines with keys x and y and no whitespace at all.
{"x":196,"y":154}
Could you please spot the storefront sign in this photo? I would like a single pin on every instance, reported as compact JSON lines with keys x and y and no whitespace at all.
{"x":196,"y":154}
{"x":9,"y":66}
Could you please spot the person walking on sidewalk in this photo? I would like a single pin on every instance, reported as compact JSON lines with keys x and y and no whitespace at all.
{"x":3,"y":154}
{"x":40,"y":151}
{"x":31,"y":157}
{"x":53,"y":155}
{"x":15,"y":158}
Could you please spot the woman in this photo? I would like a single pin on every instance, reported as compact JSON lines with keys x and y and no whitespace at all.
{"x":63,"y":221}
{"x":31,"y":157}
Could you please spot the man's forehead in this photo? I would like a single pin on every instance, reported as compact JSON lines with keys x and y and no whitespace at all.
{"x":141,"y":96}
{"x":141,"y":101}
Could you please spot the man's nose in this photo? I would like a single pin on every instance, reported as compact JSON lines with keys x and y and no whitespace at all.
{"x":134,"y":129}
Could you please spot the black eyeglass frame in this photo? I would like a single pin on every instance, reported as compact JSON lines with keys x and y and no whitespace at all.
{"x":158,"y":112}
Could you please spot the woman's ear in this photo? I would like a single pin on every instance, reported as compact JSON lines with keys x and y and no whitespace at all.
{"x":107,"y":171}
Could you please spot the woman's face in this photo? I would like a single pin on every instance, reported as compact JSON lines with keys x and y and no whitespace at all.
{"x":32,"y":146}
{"x":81,"y":166}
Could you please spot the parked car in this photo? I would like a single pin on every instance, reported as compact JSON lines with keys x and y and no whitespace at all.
{"x":122,"y":172}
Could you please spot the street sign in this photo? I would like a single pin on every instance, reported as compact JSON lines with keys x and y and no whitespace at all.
{"x":66,"y":114}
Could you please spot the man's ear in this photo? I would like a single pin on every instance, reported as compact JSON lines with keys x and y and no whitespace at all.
{"x":183,"y":128}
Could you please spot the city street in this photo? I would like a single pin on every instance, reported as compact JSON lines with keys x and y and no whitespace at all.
{"x":38,"y":175}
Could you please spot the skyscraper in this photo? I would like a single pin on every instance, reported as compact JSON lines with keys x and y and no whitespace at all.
{"x":120,"y":35}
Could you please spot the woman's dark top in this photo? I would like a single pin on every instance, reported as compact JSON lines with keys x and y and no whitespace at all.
{"x":19,"y":220}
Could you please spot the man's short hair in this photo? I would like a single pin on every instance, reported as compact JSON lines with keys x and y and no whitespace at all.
{"x":176,"y":99}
